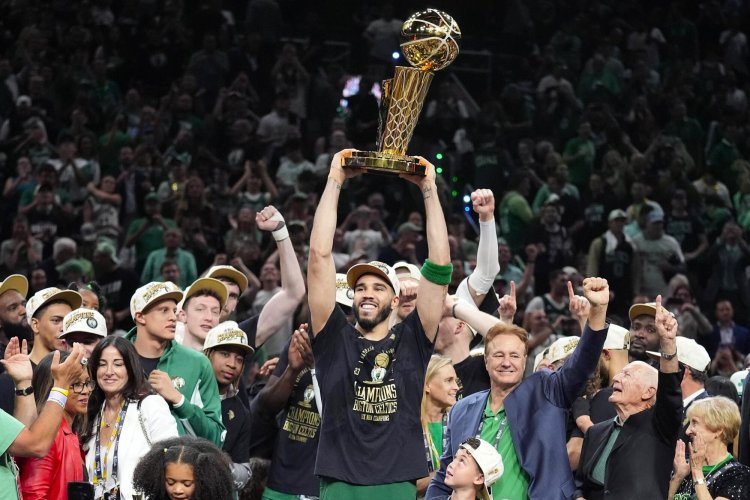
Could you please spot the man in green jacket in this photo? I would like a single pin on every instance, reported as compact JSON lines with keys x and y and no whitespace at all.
{"x":183,"y":377}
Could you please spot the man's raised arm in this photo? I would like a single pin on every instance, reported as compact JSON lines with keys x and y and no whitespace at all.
{"x":321,"y":271}
{"x":282,"y":305}
{"x":436,"y":272}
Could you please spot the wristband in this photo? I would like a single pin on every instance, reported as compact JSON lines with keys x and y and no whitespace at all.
{"x":699,"y":482}
{"x":436,"y":273}
{"x":58,"y":398}
{"x":180,"y":402}
{"x":282,"y":232}
{"x":62,"y":391}
{"x":453,"y":310}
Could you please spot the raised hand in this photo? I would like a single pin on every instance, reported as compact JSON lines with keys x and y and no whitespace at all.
{"x":666,"y":324}
{"x":67,"y":373}
{"x":16,"y":361}
{"x":680,"y":466}
{"x":424,"y":182}
{"x":596,"y":291}
{"x":483,"y":203}
{"x":269,"y":219}
{"x":408,"y":291}
{"x":300,"y":351}
{"x":162,"y":384}
{"x":579,"y":307}
{"x":338,"y":172}
{"x":697,"y":453}
{"x":508,"y":305}
{"x":268,"y":367}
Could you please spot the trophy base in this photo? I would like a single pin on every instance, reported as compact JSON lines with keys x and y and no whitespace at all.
{"x":385,"y":163}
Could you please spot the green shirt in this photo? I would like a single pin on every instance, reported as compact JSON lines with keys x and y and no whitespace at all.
{"x":599,"y":473}
{"x":10,"y":428}
{"x":436,"y":433}
{"x":338,"y":490}
{"x":271,"y":494}
{"x":583,"y":165}
{"x":514,"y":482}
{"x":151,"y":239}
{"x":515,"y":215}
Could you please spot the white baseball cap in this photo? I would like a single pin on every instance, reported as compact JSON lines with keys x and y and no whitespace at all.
{"x":344,"y":294}
{"x":489,"y":461}
{"x":16,"y":282}
{"x":153,"y":292}
{"x":84,"y":321}
{"x":47,"y":295}
{"x":229,"y":273}
{"x":407,"y":270}
{"x":738,"y":379}
{"x":539,"y":358}
{"x":618,"y":338}
{"x":377,"y":268}
{"x":227,"y":333}
{"x":689,"y":353}
{"x":562,"y":348}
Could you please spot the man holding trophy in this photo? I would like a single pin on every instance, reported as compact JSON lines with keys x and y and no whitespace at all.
{"x":370,"y":376}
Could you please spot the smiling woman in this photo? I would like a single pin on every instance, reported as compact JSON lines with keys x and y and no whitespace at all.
{"x":48,"y":477}
{"x":121,"y":411}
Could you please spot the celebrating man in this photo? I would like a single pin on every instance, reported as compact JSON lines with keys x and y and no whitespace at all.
{"x":371,"y":377}
{"x":525,"y":419}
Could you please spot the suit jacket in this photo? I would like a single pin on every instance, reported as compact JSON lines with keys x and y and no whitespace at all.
{"x":684,"y":425}
{"x":741,"y":340}
{"x":536,"y":411}
{"x":745,"y":429}
{"x":640,"y":463}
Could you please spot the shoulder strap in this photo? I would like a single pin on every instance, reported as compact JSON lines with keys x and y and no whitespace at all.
{"x":143,"y":424}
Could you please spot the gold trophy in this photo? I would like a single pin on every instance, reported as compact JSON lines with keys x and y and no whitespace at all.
{"x":429,"y":41}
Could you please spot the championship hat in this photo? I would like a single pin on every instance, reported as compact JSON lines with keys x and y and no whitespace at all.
{"x":377,"y":268}
{"x":230,"y":273}
{"x":153,"y":292}
{"x":16,"y":282}
{"x":84,"y":321}
{"x":47,"y":295}
{"x":689,"y":353}
{"x":227,"y":333}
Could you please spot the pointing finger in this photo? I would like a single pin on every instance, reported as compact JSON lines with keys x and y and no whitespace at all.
{"x":513,"y":290}
{"x":571,"y":293}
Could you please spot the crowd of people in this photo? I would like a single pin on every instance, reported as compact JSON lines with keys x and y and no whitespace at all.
{"x":190,"y":276}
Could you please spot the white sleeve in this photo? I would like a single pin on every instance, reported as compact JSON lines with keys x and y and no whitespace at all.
{"x":158,"y":419}
{"x":488,"y":266}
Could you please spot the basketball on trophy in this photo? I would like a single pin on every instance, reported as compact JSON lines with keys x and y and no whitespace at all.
{"x":429,"y":40}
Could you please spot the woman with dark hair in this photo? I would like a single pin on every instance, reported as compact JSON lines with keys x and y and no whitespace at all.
{"x":92,"y":295}
{"x":187,"y":468}
{"x":48,"y":477}
{"x":124,"y":418}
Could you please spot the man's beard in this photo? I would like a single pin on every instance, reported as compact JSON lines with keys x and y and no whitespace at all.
{"x":20,"y":330}
{"x":369,"y":325}
{"x":638,"y":355}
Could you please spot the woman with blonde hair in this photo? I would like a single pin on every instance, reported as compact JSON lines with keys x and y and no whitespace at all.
{"x":713,"y":472}
{"x":438,"y":396}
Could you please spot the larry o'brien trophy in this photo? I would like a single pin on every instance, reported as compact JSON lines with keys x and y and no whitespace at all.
{"x":429,"y":41}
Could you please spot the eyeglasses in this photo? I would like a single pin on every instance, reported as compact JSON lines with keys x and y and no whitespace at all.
{"x":78,"y":387}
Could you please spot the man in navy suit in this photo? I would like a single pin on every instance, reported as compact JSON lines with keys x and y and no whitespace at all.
{"x":727,"y":332}
{"x":525,"y":419}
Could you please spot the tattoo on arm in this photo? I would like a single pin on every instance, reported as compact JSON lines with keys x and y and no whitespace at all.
{"x":427,"y":192}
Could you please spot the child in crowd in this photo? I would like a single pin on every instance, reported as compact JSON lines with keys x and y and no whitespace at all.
{"x":476,"y":467}
{"x":185,"y":468}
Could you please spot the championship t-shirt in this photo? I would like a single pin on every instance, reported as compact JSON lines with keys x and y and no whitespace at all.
{"x":371,"y":391}
{"x":296,"y":447}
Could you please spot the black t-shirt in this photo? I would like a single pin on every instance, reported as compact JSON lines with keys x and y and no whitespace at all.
{"x":148,"y":364}
{"x":600,"y":409}
{"x":686,"y":230}
{"x":236,"y":418}
{"x":371,"y":390}
{"x":293,"y":462}
{"x":472,"y":376}
{"x":118,"y":287}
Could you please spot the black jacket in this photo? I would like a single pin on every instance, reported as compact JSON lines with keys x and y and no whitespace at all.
{"x":640,"y":463}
